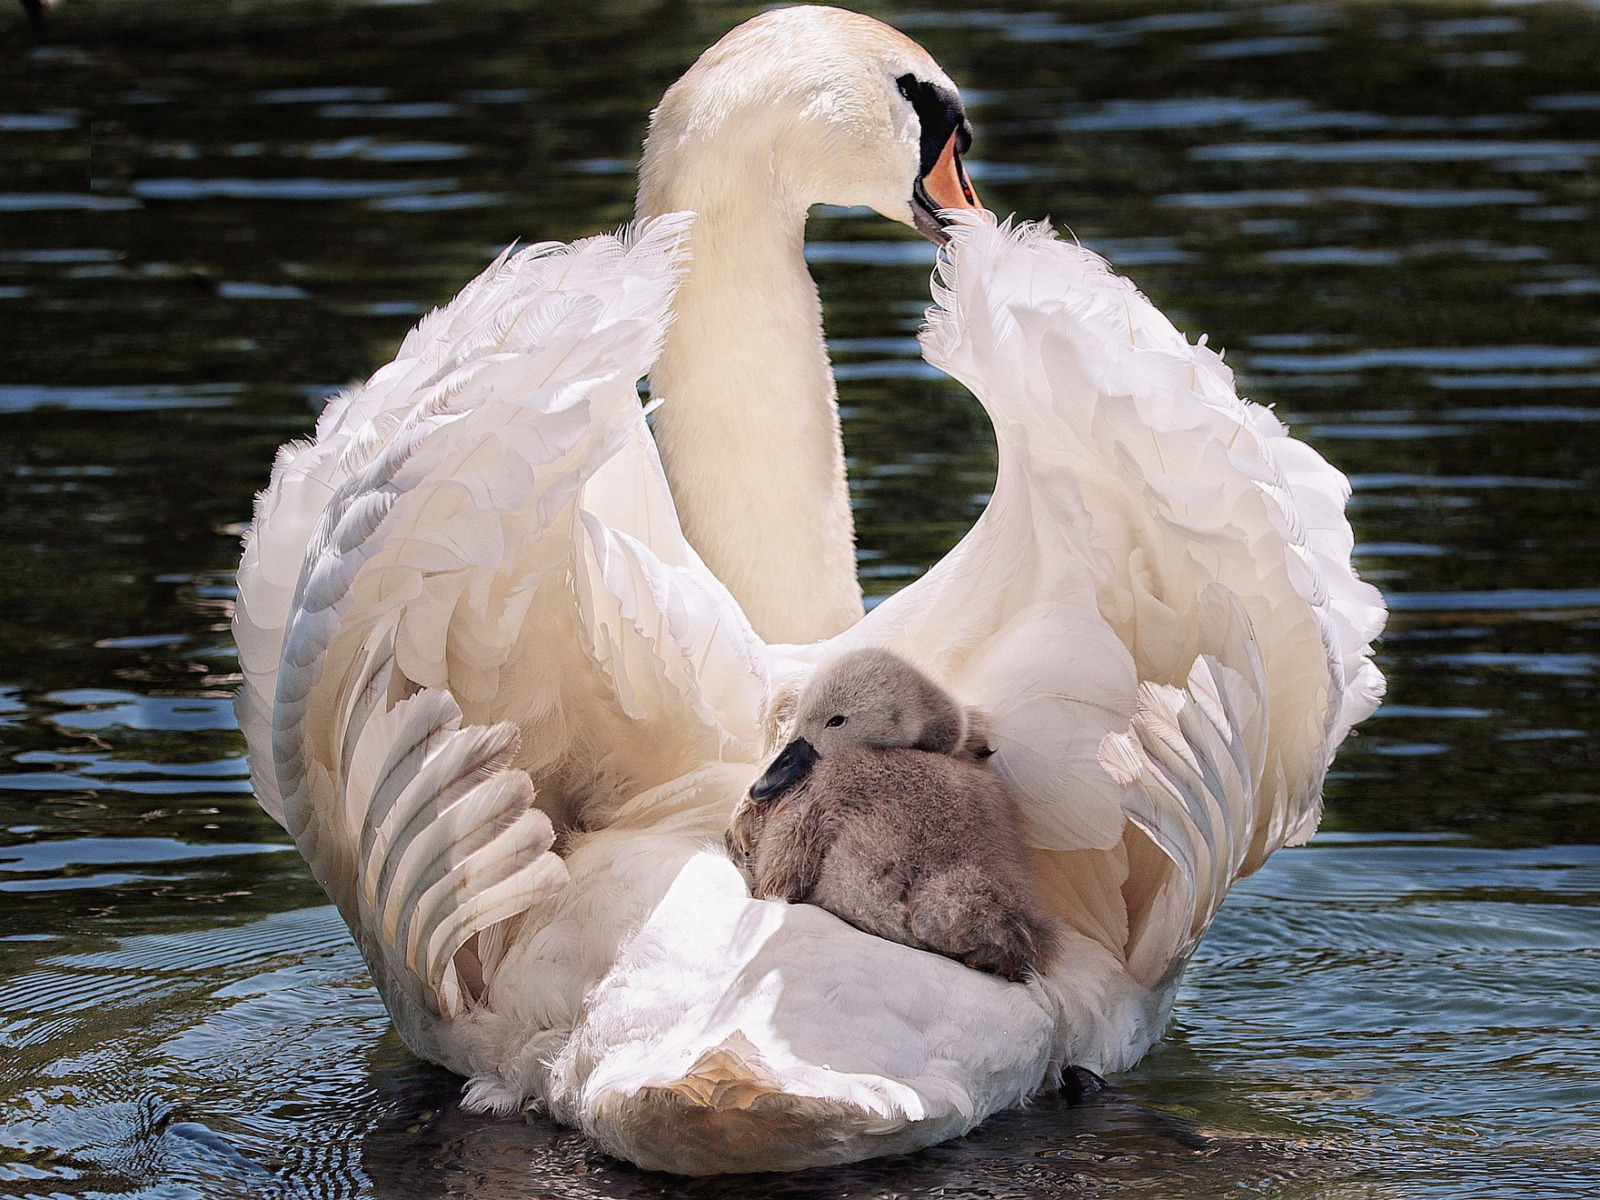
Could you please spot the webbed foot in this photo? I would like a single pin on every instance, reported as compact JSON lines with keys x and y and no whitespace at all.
{"x":1080,"y":1083}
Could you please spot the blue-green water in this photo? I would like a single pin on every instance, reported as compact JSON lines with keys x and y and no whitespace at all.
{"x":211,"y":215}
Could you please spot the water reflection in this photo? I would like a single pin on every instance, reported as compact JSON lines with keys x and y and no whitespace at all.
{"x":210,"y":219}
{"x":1367,"y":1018}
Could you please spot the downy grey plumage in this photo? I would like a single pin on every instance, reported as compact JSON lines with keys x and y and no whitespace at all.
{"x":881,"y":811}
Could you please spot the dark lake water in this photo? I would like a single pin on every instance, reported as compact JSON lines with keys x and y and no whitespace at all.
{"x":213,"y":214}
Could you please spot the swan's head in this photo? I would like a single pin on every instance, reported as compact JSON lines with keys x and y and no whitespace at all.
{"x":813,"y":105}
{"x":864,"y":698}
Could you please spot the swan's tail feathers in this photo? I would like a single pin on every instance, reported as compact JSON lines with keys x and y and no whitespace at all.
{"x":732,"y":1034}
{"x":1189,"y":765}
{"x":730,"y":1075}
{"x":729,"y":1113}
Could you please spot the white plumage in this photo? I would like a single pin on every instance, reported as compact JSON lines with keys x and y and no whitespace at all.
{"x":505,"y":709}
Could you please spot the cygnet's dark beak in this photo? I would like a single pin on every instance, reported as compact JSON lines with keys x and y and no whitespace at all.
{"x":788,"y":769}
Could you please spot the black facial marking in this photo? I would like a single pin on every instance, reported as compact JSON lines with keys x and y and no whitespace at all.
{"x":941,"y":114}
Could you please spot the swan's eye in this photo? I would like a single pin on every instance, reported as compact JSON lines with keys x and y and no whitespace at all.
{"x":835,"y":721}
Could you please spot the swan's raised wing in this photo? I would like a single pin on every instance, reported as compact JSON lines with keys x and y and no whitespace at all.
{"x":1157,"y":606}
{"x":463,"y":594}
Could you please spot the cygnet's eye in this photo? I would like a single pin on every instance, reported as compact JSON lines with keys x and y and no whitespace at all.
{"x":835,"y":721}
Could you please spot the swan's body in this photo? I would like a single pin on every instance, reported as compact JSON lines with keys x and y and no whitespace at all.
{"x":474,"y":634}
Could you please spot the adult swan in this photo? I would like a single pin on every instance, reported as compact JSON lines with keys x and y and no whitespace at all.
{"x":504,"y":687}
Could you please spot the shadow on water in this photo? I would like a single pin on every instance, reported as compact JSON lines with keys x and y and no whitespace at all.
{"x":211,"y":216}
{"x":1113,"y":1145}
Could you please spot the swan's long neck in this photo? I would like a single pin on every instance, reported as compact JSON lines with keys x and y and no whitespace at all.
{"x":749,"y":424}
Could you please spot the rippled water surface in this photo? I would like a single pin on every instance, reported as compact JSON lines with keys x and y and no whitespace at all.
{"x":213,"y":214}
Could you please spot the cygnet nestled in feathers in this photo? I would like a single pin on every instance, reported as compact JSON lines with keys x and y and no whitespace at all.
{"x":880,"y":811}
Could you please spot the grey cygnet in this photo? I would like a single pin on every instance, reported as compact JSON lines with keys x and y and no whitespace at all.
{"x":881,"y":811}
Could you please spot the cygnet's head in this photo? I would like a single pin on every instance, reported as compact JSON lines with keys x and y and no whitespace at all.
{"x":811,"y":105}
{"x":868,"y":697}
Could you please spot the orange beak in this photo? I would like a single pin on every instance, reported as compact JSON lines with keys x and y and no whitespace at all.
{"x":945,"y":186}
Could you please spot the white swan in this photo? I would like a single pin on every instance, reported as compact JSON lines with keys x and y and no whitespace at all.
{"x":505,"y":708}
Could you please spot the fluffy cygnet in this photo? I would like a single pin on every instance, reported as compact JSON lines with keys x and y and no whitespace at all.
{"x":880,"y":811}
